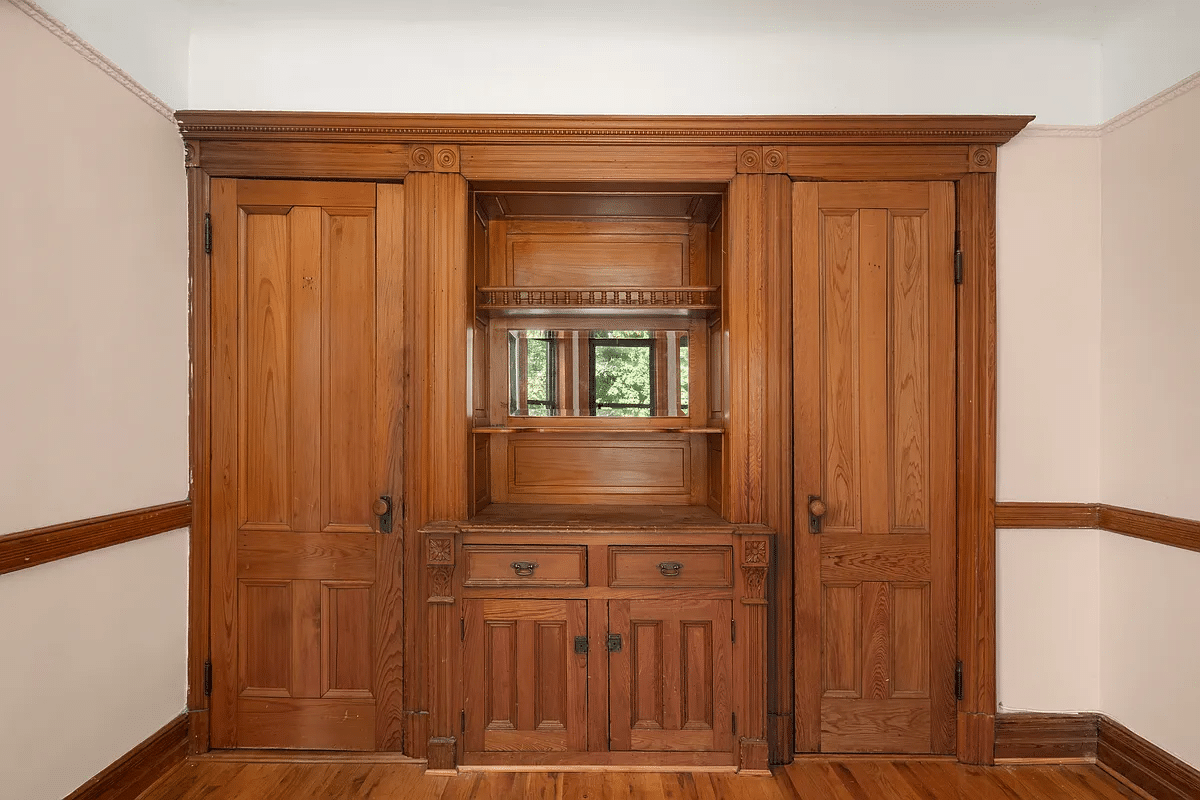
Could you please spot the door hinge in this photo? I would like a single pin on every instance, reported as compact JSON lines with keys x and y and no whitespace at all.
{"x":613,"y":643}
{"x":581,"y":644}
{"x":208,"y":233}
{"x":462,"y":720}
{"x":958,"y":680}
{"x":958,"y":258}
{"x":733,"y":630}
{"x":734,"y":723}
{"x":462,"y":629}
{"x":207,"y":678}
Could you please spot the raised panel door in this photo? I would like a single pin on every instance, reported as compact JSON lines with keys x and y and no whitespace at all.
{"x":874,"y":352}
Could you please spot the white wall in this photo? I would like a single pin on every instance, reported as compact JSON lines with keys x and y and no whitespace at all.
{"x":1150,"y":428}
{"x":1150,"y":49}
{"x":93,"y":410}
{"x":555,"y":65}
{"x":146,"y":38}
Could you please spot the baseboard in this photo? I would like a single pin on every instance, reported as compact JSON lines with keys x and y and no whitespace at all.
{"x":1047,"y":738}
{"x":132,"y":773}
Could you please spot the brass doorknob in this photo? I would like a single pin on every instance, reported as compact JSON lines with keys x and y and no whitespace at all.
{"x":816,"y":507}
{"x":380,"y":507}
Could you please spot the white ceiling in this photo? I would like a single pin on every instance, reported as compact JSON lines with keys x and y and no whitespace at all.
{"x":1082,"y":18}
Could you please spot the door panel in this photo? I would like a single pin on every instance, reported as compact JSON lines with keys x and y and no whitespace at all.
{"x":525,"y":686}
{"x":874,"y":431}
{"x":294,"y":348}
{"x":669,"y":684}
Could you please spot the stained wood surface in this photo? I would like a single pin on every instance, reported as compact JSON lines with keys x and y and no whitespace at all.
{"x":43,"y":545}
{"x":214,"y":779}
{"x":138,"y":769}
{"x":874,"y":399}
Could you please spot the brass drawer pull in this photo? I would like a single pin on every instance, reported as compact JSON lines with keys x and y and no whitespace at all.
{"x":670,"y":568}
{"x":524,"y":568}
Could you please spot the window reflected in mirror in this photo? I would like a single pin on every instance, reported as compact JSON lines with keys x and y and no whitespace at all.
{"x":589,"y":373}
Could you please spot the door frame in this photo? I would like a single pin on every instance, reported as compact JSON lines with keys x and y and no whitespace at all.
{"x":756,"y":153}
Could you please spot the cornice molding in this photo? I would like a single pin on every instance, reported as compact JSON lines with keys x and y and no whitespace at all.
{"x":72,"y":40}
{"x":1120,"y":120}
{"x":541,"y":129}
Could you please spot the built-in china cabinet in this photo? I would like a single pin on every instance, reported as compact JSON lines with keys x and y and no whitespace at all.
{"x":593,"y":441}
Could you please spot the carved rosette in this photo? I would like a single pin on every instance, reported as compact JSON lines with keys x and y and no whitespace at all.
{"x":774,"y":160}
{"x":434,"y":158}
{"x":439,"y":561}
{"x":982,"y":158}
{"x":750,"y":160}
{"x":446,"y":158}
{"x":191,"y":155}
{"x":755,"y":557}
{"x":420,"y":159}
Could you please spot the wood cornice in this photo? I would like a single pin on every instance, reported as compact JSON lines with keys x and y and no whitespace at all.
{"x":1029,"y":737}
{"x":1160,"y":528}
{"x":42,"y":545}
{"x":285,"y":126}
{"x":132,"y":773}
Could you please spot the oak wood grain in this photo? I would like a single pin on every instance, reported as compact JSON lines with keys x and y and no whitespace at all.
{"x":131,"y":774}
{"x":42,"y":545}
{"x":1047,"y":515}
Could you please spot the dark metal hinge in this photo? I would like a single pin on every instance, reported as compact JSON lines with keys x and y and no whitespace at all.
{"x":462,"y":721}
{"x":208,"y":678}
{"x":958,"y":268}
{"x":581,"y":644}
{"x":613,"y":643}
{"x":462,"y":629}
{"x":735,"y":723}
{"x":208,"y":233}
{"x":733,"y":630}
{"x":958,"y":680}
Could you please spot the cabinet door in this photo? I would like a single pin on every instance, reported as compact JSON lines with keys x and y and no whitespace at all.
{"x":669,"y":683}
{"x":525,"y":686}
{"x":294,"y":538}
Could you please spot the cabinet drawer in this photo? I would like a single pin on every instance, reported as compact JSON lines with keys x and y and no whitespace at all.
{"x":670,"y":567}
{"x":519,"y":565}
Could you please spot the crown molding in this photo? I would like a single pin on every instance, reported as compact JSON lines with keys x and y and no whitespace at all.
{"x":542,"y":129}
{"x":72,"y":40}
{"x":1119,"y":121}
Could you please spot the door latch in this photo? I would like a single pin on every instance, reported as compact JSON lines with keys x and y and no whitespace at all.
{"x":383,"y":509}
{"x":613,"y":642}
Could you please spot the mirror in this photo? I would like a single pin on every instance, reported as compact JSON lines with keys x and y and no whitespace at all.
{"x":588,"y":373}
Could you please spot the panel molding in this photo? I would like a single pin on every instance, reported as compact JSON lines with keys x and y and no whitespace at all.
{"x":134,"y":772}
{"x":1158,"y":528}
{"x":52,"y":543}
{"x":1095,"y":738}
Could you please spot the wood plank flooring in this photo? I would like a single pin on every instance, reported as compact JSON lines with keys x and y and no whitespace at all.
{"x":864,"y":779}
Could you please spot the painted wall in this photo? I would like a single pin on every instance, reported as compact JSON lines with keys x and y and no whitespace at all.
{"x":93,"y":344}
{"x":1148,"y":51}
{"x":556,"y":64}
{"x":146,"y":38}
{"x":1150,"y":428}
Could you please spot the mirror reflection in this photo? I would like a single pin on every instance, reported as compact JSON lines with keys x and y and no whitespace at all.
{"x":587,"y":373}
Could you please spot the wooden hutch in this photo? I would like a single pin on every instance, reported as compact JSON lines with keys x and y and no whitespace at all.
{"x":429,"y":521}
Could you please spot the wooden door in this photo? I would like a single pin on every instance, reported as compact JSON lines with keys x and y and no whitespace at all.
{"x":669,"y":683}
{"x":295,"y":473}
{"x":874,"y":442}
{"x":525,"y":686}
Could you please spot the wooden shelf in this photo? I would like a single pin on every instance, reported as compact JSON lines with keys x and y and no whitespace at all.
{"x":591,"y":429}
{"x":645,"y":299}
{"x":538,"y":518}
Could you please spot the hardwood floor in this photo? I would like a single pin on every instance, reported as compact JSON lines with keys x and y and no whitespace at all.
{"x":861,"y":779}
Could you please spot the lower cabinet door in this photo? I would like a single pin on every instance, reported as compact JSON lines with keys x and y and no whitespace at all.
{"x":525,"y":686}
{"x":669,"y":683}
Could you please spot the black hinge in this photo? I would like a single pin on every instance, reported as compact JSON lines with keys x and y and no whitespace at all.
{"x":462,"y":721}
{"x":581,"y":644}
{"x":958,"y":269}
{"x":208,"y":233}
{"x":958,"y":681}
{"x":462,"y":629}
{"x":735,"y":723}
{"x":208,"y":679}
{"x":733,"y":630}
{"x":613,"y":643}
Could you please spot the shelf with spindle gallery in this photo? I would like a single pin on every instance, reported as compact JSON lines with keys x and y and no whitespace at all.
{"x":657,"y":300}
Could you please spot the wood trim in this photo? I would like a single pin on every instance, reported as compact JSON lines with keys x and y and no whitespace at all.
{"x":1035,"y":737}
{"x":43,"y":545}
{"x":287,"y":126}
{"x":977,"y":468}
{"x":134,"y":772}
{"x":1144,"y":764}
{"x":199,"y":444}
{"x":1026,"y":737}
{"x":1047,"y":515}
{"x":1158,"y":528}
{"x":1152,"y":527}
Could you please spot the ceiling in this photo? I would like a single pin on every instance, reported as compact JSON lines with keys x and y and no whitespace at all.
{"x":1080,"y":18}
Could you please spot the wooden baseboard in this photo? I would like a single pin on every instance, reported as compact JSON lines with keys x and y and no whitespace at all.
{"x":132,"y":773}
{"x":1062,"y":738}
{"x":43,"y":545}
